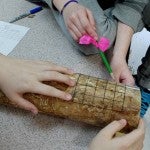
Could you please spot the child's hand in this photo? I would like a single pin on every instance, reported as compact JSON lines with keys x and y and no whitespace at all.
{"x":132,"y":141}
{"x":21,"y":76}
{"x":79,"y":21}
{"x":121,"y":71}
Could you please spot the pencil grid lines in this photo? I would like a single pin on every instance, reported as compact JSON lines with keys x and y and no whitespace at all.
{"x":103,"y":94}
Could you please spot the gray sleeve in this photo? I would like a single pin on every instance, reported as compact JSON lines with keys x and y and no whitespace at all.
{"x":130,"y":12}
{"x":50,"y":3}
{"x":146,"y":15}
{"x":143,"y":73}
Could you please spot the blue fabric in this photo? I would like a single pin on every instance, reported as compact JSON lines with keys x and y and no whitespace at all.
{"x":145,"y":102}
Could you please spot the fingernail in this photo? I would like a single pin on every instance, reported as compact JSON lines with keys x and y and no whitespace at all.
{"x":96,"y":38}
{"x":72,"y":82}
{"x":123,"y":122}
{"x":68,"y":97}
{"x":71,"y":71}
{"x":35,"y":112}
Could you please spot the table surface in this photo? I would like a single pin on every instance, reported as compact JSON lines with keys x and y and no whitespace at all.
{"x":20,"y":130}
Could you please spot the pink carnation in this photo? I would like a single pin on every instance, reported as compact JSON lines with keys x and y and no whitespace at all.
{"x":103,"y":44}
{"x":85,"y":39}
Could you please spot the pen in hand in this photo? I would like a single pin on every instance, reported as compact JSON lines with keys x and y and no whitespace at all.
{"x":32,"y":11}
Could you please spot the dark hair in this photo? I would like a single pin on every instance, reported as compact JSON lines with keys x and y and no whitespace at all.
{"x":105,"y":4}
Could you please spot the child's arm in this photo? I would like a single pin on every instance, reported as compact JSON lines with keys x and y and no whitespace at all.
{"x":129,"y":16}
{"x":118,"y":62}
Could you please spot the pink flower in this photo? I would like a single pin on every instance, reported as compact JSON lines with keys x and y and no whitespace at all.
{"x":103,"y":44}
{"x":85,"y":39}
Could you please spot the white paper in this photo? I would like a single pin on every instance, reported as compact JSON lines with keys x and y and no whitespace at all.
{"x":139,"y":46}
{"x":10,"y":35}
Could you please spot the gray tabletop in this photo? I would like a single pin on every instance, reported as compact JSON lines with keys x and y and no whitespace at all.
{"x":19,"y":130}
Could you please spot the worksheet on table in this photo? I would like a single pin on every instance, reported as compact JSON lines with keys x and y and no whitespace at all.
{"x":10,"y":36}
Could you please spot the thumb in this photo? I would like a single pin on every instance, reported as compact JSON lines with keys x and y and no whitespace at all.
{"x":135,"y":135}
{"x":109,"y":131}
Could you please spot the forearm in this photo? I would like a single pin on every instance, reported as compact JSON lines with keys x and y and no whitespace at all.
{"x":123,"y":40}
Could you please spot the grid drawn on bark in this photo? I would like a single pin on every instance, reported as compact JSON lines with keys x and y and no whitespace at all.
{"x":95,"y":101}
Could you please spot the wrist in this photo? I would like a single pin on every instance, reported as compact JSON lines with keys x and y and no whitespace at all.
{"x":118,"y":59}
{"x":60,"y":4}
{"x":70,"y":2}
{"x":2,"y":59}
{"x":120,"y":54}
{"x":3,"y":66}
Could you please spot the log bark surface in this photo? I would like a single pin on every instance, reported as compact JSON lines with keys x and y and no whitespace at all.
{"x":95,"y":101}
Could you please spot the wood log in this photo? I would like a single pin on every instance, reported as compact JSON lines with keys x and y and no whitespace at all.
{"x":95,"y":101}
